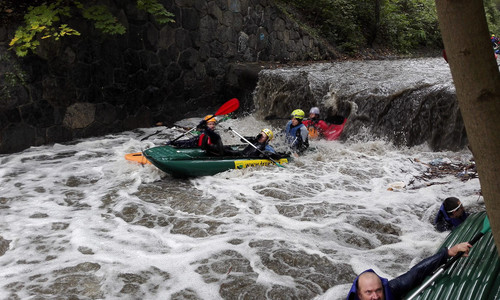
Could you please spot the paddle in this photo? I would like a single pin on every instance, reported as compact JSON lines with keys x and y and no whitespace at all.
{"x":225,"y":109}
{"x":486,"y":228}
{"x":248,"y":142}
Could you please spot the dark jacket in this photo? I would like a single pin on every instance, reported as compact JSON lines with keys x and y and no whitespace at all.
{"x":398,"y":287}
{"x":264,"y":150}
{"x":188,"y":143}
{"x":443,"y":222}
{"x":211,"y":142}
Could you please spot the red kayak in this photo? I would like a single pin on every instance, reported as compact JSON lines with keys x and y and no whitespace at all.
{"x":325,"y":130}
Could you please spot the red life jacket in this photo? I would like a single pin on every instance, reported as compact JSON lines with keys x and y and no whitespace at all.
{"x":200,"y":140}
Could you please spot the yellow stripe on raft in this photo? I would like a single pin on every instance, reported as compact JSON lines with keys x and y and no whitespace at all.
{"x":137,"y":157}
{"x":241,"y":164}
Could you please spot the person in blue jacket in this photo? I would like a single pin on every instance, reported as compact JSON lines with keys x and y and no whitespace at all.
{"x":451,"y":214}
{"x":369,"y":286}
{"x":261,"y":142}
{"x":296,"y":133}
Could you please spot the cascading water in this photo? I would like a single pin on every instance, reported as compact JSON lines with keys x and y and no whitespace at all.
{"x":77,"y":221}
{"x":408,"y":102}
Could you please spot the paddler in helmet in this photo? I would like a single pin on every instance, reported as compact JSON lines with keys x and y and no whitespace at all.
{"x":261,"y":142}
{"x":315,"y":126}
{"x":209,"y":140}
{"x":296,"y":133}
{"x":208,"y":122}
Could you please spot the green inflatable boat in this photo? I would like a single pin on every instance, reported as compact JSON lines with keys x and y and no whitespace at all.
{"x":192,"y":162}
{"x":469,"y":278}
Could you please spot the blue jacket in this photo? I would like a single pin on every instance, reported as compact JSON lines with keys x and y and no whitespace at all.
{"x":297,"y":136}
{"x":443,"y":222}
{"x":398,"y":287}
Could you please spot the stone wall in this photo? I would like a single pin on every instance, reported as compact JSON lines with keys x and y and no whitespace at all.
{"x":95,"y":84}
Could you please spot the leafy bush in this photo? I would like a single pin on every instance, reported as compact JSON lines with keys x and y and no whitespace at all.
{"x":402,"y":25}
{"x":46,"y":21}
{"x":492,"y":16}
{"x":406,"y":25}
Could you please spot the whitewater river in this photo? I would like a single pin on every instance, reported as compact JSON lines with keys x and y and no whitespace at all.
{"x":77,"y":221}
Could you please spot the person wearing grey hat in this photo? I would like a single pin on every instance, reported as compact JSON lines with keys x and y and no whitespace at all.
{"x":315,"y":125}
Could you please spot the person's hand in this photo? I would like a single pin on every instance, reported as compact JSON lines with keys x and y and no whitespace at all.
{"x":462,"y":247}
{"x":202,"y":125}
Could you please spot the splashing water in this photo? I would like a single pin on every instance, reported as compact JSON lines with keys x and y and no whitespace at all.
{"x":83,"y":222}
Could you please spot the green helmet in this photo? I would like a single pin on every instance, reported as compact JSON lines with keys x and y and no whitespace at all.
{"x":298,"y":114}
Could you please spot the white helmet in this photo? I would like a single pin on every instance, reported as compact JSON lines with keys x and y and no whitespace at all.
{"x":314,"y":110}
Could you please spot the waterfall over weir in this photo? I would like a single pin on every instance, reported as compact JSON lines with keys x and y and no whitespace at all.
{"x":409,"y":102}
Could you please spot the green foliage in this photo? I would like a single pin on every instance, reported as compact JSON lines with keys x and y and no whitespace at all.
{"x":162,"y":16}
{"x":46,"y":21}
{"x":41,"y":22}
{"x":492,"y":15}
{"x":402,"y":25}
{"x":103,"y":19}
{"x":409,"y":24}
{"x":335,"y":20}
{"x":352,"y":24}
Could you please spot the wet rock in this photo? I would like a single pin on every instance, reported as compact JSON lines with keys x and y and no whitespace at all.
{"x":385,"y":233}
{"x":4,"y":245}
{"x":242,"y":287}
{"x":70,"y":283}
{"x":216,"y":267}
{"x":186,"y":294}
{"x":235,"y":241}
{"x":79,"y":115}
{"x":16,"y":137}
{"x":85,"y":250}
{"x":135,"y":284}
{"x":83,"y":267}
{"x":75,"y":286}
{"x":59,"y":226}
{"x":371,"y":225}
{"x":39,"y":216}
{"x":313,"y":274}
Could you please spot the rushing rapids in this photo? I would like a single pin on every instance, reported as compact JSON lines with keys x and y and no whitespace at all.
{"x":408,"y":102}
{"x":79,"y":221}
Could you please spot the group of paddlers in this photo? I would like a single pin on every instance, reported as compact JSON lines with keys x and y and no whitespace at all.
{"x":297,"y":133}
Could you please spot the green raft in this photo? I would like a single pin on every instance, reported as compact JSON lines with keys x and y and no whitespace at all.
{"x":474,"y":277}
{"x":192,"y":162}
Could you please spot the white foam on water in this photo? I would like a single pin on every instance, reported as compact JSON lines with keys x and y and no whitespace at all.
{"x":69,"y":204}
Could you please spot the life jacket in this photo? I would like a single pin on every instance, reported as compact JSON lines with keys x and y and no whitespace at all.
{"x":353,"y":293}
{"x":293,"y":133}
{"x":453,"y":221}
{"x":200,"y":140}
{"x":313,"y":129}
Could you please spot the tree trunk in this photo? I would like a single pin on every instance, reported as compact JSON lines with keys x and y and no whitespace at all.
{"x":477,"y":81}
